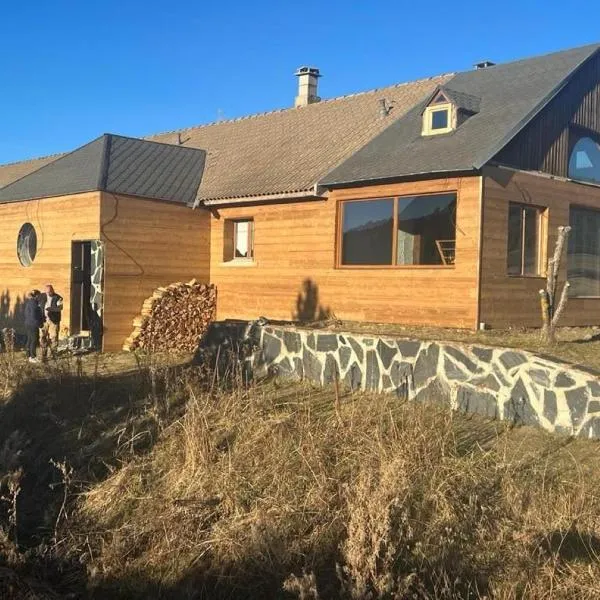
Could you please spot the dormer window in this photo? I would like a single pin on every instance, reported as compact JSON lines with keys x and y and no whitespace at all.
{"x":437,"y":119}
{"x":446,"y":110}
{"x":440,"y":118}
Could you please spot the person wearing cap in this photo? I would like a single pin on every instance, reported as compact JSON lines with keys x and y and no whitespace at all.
{"x":52,"y":305}
{"x":34,"y":319}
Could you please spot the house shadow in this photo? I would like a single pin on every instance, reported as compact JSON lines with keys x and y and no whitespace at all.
{"x":243,"y":583}
{"x":571,"y":546}
{"x":308,"y":307}
{"x":89,"y":423}
{"x":12,"y":316}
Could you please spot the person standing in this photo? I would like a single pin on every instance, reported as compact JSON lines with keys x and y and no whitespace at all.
{"x":52,"y":304}
{"x":34,"y":319}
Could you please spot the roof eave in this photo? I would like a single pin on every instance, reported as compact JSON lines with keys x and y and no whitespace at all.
{"x":398,"y":178}
{"x":315,"y":193}
{"x":39,"y":197}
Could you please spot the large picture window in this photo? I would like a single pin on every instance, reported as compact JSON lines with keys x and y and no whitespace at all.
{"x":583,"y":264}
{"x":408,"y":230}
{"x":524,"y":226}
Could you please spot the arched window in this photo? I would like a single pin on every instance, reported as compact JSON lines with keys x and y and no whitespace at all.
{"x":27,"y":245}
{"x":584,"y":162}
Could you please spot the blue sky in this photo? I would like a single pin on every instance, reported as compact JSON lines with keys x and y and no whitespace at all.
{"x":71,"y":71}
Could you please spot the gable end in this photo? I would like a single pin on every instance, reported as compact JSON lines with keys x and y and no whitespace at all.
{"x":544,"y":144}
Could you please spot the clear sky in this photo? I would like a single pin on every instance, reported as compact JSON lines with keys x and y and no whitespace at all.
{"x":71,"y":71}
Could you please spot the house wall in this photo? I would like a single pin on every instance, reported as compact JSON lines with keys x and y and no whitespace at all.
{"x":294,"y":273}
{"x":514,"y":300}
{"x":544,"y":144}
{"x":57,"y":221}
{"x":148,"y":244}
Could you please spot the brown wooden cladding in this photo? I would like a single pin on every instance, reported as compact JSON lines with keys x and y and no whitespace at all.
{"x":295,"y":255}
{"x":514,"y":301}
{"x":544,"y":144}
{"x":147,"y":244}
{"x":58,"y":221}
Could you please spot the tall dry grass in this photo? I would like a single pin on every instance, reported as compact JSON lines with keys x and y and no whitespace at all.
{"x":182,"y":483}
{"x":280,"y":491}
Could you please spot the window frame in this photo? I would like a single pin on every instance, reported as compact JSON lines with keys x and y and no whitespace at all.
{"x":24,"y":256}
{"x":428,"y":118}
{"x":577,"y":133}
{"x":395,"y":197}
{"x":541,"y":238}
{"x":230,"y":228}
{"x":588,"y":208}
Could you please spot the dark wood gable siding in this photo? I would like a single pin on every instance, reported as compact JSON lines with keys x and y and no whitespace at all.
{"x":544,"y":144}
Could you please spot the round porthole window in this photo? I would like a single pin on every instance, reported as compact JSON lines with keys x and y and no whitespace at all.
{"x":27,"y":245}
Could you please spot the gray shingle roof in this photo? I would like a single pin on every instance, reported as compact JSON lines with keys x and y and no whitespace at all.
{"x":285,"y":151}
{"x":466,"y":102}
{"x":510,"y":96}
{"x":288,"y":151}
{"x":116,"y":164}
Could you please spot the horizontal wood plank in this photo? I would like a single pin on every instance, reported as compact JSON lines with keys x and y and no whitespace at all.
{"x":295,"y":246}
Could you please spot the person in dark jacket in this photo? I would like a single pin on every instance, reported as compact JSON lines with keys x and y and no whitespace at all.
{"x":34,"y":319}
{"x":52,"y":305}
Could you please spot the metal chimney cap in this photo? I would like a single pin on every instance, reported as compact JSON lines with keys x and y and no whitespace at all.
{"x":308,"y":71}
{"x":484,"y":64}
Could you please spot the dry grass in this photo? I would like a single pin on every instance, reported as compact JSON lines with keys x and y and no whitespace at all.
{"x":579,"y":346}
{"x":257,"y":491}
{"x":282,"y":490}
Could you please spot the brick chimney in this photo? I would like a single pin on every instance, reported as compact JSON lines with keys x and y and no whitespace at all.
{"x":307,"y":86}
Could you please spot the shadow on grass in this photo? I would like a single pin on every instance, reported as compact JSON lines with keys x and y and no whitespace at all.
{"x":86,"y":425}
{"x":571,"y":546}
{"x":94,"y":424}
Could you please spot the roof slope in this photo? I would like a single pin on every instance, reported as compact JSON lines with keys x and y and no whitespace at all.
{"x":288,"y":151}
{"x":119,"y":165}
{"x":510,"y":96}
{"x":13,"y":171}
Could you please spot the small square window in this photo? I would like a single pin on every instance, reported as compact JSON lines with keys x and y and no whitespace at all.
{"x":238,"y":240}
{"x":439,"y":119}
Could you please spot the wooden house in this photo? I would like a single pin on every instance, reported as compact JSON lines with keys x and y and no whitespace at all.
{"x":434,"y":202}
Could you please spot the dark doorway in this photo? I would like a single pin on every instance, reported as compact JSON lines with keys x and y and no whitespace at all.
{"x":81,"y":286}
{"x":87,"y":290}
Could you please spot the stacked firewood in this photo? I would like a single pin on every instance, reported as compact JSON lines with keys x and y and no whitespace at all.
{"x":174,"y":318}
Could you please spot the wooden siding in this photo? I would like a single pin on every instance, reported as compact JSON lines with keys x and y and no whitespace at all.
{"x":58,"y":222}
{"x":511,"y":300}
{"x":544,"y":144}
{"x":295,"y":255}
{"x":148,"y":244}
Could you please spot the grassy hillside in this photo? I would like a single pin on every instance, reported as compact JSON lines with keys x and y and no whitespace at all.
{"x":166,"y":483}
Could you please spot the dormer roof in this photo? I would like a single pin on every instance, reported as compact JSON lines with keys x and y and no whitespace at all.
{"x":461,"y":100}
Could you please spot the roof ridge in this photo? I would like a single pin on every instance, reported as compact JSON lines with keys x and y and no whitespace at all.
{"x":514,"y":61}
{"x":52,"y":162}
{"x":149,"y":141}
{"x":26,"y":160}
{"x":293,"y":108}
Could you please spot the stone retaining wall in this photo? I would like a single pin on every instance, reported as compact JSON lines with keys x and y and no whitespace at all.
{"x":495,"y":382}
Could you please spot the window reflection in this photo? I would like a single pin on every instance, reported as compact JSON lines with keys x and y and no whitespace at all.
{"x":584,"y":163}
